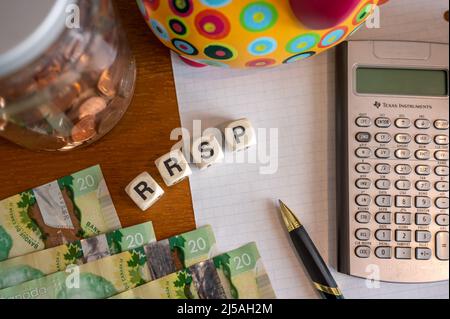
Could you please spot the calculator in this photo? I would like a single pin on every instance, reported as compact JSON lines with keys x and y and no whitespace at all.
{"x":392,"y":141}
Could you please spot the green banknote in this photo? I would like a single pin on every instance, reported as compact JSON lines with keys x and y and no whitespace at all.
{"x":109,"y":276}
{"x":238,"y":274}
{"x":72,"y":208}
{"x":21,"y":269}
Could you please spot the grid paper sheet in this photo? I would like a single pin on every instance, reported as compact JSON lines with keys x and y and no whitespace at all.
{"x":241,"y":204}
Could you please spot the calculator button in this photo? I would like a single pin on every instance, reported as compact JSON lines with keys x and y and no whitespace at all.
{"x":442,"y":220}
{"x":423,"y":236}
{"x":403,"y":138}
{"x":383,"y":235}
{"x":423,"y":139}
{"x":363,"y":137}
{"x":363,"y":234}
{"x":441,"y":170}
{"x":423,"y":202}
{"x":441,"y":139}
{"x":363,"y":121}
{"x":363,"y":168}
{"x":403,"y":153}
{"x":383,"y":184}
{"x":403,"y":201}
{"x":362,"y":251}
{"x":423,"y":219}
{"x":363,"y":200}
{"x":383,"y":137}
{"x":363,"y":183}
{"x":423,"y":170}
{"x":441,"y":186}
{"x":383,"y":218}
{"x":441,"y":155}
{"x":442,"y":245}
{"x":423,"y":253}
{"x":403,"y":253}
{"x":403,"y":219}
{"x":383,"y":201}
{"x":363,"y":217}
{"x":423,"y":155}
{"x":363,"y":152}
{"x":383,"y":122}
{"x":423,"y":124}
{"x":383,"y":252}
{"x":441,"y":124}
{"x":403,"y":169}
{"x":383,"y":153}
{"x":442,"y":202}
{"x":403,"y":185}
{"x":423,"y":186}
{"x":383,"y":169}
{"x":403,"y":236}
{"x":403,"y":123}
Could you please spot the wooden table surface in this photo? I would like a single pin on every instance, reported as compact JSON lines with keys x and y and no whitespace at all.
{"x":129,"y":149}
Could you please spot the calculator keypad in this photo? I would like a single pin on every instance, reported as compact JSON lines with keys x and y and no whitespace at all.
{"x":401,"y":191}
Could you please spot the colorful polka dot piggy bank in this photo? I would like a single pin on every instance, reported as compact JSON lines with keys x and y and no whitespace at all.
{"x":253,"y":33}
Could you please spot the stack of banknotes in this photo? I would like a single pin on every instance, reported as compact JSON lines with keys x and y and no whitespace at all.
{"x":90,"y":257}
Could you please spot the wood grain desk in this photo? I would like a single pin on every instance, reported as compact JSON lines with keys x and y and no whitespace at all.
{"x":129,"y":149}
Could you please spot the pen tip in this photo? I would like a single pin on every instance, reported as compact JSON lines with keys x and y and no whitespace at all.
{"x":288,"y":217}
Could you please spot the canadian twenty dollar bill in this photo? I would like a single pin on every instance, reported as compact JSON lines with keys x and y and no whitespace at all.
{"x":238,"y":274}
{"x":66,"y":210}
{"x":109,"y":276}
{"x":21,"y":269}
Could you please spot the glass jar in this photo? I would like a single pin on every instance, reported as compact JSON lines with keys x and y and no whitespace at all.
{"x":66,"y":72}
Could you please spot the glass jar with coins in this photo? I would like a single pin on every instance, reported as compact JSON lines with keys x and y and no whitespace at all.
{"x":66,"y":72}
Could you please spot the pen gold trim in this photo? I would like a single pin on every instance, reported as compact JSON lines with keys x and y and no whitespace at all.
{"x":292,"y":223}
{"x":328,"y":290}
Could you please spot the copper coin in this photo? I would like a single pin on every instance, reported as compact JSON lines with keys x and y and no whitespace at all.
{"x":84,"y":129}
{"x":106,"y":84}
{"x":91,"y":107}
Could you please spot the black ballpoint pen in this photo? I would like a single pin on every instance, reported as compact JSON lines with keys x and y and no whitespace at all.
{"x":318,"y":271}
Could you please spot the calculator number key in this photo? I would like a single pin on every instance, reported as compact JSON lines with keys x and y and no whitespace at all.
{"x":363,"y":234}
{"x":423,"y":236}
{"x":403,"y":236}
{"x":442,"y":245}
{"x":403,"y":253}
{"x":383,"y":235}
{"x":383,"y":201}
{"x":383,"y":252}
{"x":423,"y":219}
{"x":423,"y":253}
{"x":423,"y":202}
{"x":383,"y":184}
{"x":362,"y":251}
{"x":403,"y":219}
{"x":383,"y":122}
{"x":383,"y":218}
{"x":403,"y":201}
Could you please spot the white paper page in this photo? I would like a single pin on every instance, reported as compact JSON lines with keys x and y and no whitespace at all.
{"x":240,"y":203}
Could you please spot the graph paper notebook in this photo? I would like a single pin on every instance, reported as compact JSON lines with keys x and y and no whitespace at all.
{"x":299,"y":100}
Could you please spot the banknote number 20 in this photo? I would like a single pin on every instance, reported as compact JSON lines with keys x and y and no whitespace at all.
{"x":196,"y":246}
{"x":135,"y":241}
{"x":87,"y":182}
{"x":242,"y":261}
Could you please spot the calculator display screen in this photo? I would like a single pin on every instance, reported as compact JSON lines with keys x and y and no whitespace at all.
{"x":391,"y":81}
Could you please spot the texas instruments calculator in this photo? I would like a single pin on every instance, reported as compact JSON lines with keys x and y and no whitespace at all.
{"x":393,"y":170}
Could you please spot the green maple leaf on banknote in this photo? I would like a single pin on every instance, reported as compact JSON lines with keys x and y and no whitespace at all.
{"x":115,"y":242}
{"x":137,"y":259}
{"x":184,"y":281}
{"x":67,"y":184}
{"x":177,"y":244}
{"x":74,"y":253}
{"x":223,"y":262}
{"x":27,"y":200}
